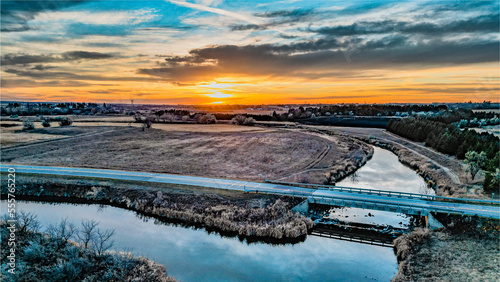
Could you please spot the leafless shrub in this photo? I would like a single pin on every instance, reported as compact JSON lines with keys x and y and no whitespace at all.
{"x":207,"y":119}
{"x":242,"y":120}
{"x":238,"y":120}
{"x":27,"y":221}
{"x":249,"y":121}
{"x":28,"y":125}
{"x":102,"y":242}
{"x":87,"y":232}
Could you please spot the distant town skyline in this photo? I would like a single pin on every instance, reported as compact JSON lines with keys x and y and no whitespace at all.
{"x":250,"y":52}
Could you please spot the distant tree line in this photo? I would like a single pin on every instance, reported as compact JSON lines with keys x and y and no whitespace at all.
{"x":31,"y":109}
{"x":467,"y":116}
{"x":449,"y":139}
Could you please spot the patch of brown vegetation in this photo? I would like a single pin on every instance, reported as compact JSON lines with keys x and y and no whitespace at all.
{"x":440,"y":256}
{"x":269,"y":220}
{"x":467,"y":250}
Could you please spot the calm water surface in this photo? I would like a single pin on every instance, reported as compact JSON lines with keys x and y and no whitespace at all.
{"x":195,"y":255}
{"x":382,"y":172}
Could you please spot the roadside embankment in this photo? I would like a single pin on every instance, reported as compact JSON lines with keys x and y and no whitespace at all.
{"x":273,"y":219}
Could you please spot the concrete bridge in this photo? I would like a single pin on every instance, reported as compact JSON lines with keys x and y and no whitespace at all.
{"x":391,"y":201}
{"x":400,"y":202}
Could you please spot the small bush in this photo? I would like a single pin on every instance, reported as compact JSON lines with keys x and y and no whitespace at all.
{"x":65,"y":121}
{"x":207,"y":119}
{"x":249,"y":121}
{"x":46,"y":123}
{"x":28,"y":125}
{"x":238,"y":120}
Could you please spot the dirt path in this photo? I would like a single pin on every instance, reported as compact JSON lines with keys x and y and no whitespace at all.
{"x":437,"y":155}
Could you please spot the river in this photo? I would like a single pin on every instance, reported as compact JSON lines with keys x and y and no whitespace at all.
{"x":382,"y":172}
{"x":195,"y":255}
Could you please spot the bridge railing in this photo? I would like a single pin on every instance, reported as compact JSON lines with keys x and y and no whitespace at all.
{"x":278,"y":192}
{"x":380,"y":192}
{"x":295,"y":184}
{"x":388,"y":193}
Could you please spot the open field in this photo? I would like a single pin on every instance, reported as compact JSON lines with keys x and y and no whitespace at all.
{"x":213,"y":128}
{"x":256,"y":154}
{"x":14,"y":135}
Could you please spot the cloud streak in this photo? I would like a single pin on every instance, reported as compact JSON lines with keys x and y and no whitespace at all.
{"x":25,"y":59}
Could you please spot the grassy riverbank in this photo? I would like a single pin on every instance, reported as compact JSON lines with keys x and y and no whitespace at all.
{"x":467,"y":250}
{"x":43,"y":257}
{"x":230,"y":212}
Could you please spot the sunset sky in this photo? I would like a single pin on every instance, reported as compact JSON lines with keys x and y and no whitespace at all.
{"x":250,"y":52}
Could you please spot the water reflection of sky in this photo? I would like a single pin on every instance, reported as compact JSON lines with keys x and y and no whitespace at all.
{"x":385,"y":172}
{"x":194,"y":255}
{"x":382,"y":172}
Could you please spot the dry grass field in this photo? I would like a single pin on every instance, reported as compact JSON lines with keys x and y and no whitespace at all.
{"x":253,"y":153}
{"x":15,"y":135}
{"x":214,"y":128}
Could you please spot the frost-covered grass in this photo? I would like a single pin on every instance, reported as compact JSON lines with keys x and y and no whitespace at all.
{"x":52,"y":255}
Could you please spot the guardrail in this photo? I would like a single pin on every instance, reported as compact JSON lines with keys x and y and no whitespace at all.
{"x":278,"y":192}
{"x":304,"y":185}
{"x":388,"y":193}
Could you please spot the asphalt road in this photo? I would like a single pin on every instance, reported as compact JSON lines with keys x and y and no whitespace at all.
{"x":239,"y":185}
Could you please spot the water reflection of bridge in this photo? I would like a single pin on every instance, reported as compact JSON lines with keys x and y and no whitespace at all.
{"x":391,"y":201}
{"x":357,"y":235}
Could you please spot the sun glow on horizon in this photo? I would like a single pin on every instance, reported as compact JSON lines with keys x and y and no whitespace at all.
{"x":175,"y":53}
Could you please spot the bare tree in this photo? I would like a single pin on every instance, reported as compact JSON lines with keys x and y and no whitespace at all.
{"x":102,"y":241}
{"x":87,"y":233}
{"x":64,"y":230}
{"x":27,"y":221}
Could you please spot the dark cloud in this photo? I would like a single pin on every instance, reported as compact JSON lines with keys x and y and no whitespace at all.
{"x":324,"y":58}
{"x":84,"y":55}
{"x":296,"y":13}
{"x":483,"y":23}
{"x":24,"y":59}
{"x":15,"y":15}
{"x":240,"y":27}
{"x":40,"y":76}
{"x":41,"y":67}
{"x":15,"y":83}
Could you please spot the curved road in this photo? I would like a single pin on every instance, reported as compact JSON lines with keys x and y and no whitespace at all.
{"x":247,"y":186}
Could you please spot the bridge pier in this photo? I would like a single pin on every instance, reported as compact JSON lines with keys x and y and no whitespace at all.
{"x":303,"y":207}
{"x":432,"y":223}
